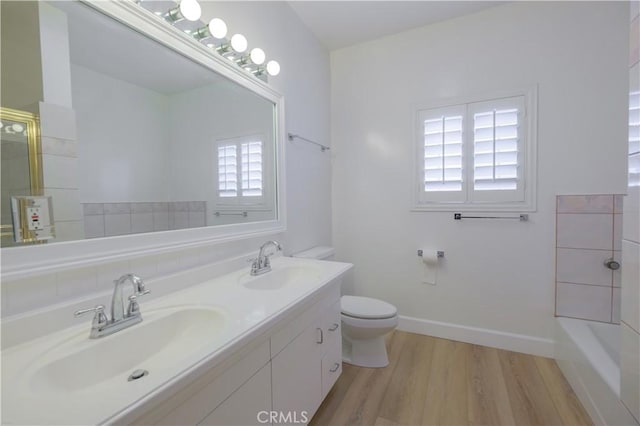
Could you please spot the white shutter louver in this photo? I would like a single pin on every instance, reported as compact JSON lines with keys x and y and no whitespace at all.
{"x":481,"y":155}
{"x":251,"y":169}
{"x":634,"y":138}
{"x":495,"y":150}
{"x":443,"y":154}
{"x":227,"y":171}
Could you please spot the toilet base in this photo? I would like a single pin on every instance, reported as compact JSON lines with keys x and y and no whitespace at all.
{"x":371,"y":353}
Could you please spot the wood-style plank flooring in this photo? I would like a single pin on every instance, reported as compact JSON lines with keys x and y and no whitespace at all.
{"x":431,"y":381}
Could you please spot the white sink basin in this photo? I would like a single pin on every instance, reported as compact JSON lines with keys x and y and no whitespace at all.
{"x":165,"y":338}
{"x":280,"y":278}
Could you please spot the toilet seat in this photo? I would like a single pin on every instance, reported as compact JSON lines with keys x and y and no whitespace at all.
{"x":366,"y":308}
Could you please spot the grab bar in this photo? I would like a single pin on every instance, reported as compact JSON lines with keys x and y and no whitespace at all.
{"x":243,"y":214}
{"x":521,"y":218}
{"x":323,"y":148}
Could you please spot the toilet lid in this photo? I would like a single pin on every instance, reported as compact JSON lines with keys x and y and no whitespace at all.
{"x":366,"y":307}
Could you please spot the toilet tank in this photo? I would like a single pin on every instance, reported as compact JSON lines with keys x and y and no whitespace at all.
{"x":318,"y":252}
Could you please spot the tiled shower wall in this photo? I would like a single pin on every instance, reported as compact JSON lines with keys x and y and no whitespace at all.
{"x":588,"y":232}
{"x":110,"y":219}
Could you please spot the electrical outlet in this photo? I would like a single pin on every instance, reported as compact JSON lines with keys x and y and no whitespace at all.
{"x":34,"y":216}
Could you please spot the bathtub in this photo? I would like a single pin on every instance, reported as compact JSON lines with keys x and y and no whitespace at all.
{"x":588,"y":353}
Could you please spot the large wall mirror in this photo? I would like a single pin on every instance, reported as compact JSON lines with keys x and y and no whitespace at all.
{"x":147,"y":138}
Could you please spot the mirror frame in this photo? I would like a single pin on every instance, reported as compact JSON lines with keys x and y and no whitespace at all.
{"x":20,"y":262}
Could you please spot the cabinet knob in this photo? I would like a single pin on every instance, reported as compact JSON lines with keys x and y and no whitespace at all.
{"x":334,"y":327}
{"x":320,"y":338}
{"x":335,"y":368}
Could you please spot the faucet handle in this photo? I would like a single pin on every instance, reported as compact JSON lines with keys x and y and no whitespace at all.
{"x":134,"y":308}
{"x":99,"y":319}
{"x":141,"y":293}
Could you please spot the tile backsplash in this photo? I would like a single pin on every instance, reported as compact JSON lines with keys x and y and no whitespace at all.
{"x":111,"y":219}
{"x":588,"y":232}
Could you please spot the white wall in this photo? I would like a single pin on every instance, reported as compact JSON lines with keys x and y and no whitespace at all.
{"x":200,"y":117}
{"x":497,"y":275}
{"x":123,"y":137}
{"x":305,"y":82}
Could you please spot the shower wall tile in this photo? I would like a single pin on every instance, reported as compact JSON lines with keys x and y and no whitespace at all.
{"x":585,"y":204}
{"x":110,"y":219}
{"x":196,"y":219}
{"x":178,"y":220}
{"x":117,"y":224}
{"x":117,"y":208}
{"x":617,"y":232}
{"x":93,"y":209}
{"x":587,"y":231}
{"x":583,"y":266}
{"x":630,"y":271}
{"x":618,"y":203}
{"x":94,"y":226}
{"x":141,"y":222}
{"x":161,"y":221}
{"x":617,"y":274}
{"x":141,"y":207}
{"x":615,"y":306}
{"x":583,"y":301}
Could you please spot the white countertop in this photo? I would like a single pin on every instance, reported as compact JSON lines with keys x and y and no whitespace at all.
{"x":247,"y":313}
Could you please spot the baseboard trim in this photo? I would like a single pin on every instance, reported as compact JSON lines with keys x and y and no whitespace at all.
{"x":479,"y":336}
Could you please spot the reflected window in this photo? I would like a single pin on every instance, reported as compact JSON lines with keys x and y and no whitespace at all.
{"x":240,"y":168}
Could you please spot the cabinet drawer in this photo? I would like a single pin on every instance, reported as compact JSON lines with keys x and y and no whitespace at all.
{"x":332,"y":328}
{"x":331,"y":370}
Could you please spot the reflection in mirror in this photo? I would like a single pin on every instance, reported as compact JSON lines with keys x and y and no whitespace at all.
{"x":20,"y":146}
{"x":136,"y":137}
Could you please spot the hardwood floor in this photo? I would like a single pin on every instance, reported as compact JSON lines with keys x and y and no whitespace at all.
{"x":431,"y":381}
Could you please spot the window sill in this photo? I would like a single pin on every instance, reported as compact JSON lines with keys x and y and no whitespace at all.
{"x":487,"y":208}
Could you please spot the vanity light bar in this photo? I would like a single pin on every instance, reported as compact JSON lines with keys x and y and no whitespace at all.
{"x":232,"y":49}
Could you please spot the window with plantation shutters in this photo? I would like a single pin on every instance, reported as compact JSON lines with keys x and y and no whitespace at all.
{"x":476,"y":155}
{"x":240,"y":178}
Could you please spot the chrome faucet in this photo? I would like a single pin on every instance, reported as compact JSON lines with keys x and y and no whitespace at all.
{"x":262,"y":264}
{"x":120,"y":319}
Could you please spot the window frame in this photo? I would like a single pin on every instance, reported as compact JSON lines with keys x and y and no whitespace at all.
{"x":469,"y":199}
{"x":251,"y":202}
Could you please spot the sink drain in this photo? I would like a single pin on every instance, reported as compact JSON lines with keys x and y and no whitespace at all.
{"x":138,"y":374}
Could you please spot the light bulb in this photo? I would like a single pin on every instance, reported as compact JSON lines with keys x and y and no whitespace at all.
{"x":190,"y":9}
{"x":239,"y":43}
{"x":217,"y":28}
{"x":273,"y":68}
{"x":257,"y":56}
{"x":17,"y":128}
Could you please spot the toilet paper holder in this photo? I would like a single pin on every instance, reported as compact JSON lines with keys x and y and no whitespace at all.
{"x":440,"y":254}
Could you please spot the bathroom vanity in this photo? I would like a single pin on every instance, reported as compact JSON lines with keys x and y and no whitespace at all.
{"x":233,"y":349}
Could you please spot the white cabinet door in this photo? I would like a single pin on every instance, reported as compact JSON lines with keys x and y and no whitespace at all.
{"x":249,"y":405}
{"x":296,"y":375}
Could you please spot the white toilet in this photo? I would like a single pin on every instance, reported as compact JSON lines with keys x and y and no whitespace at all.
{"x":365,"y":321}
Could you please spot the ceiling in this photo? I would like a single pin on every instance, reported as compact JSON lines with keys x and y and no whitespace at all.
{"x":115,"y":49}
{"x":339,"y":24}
